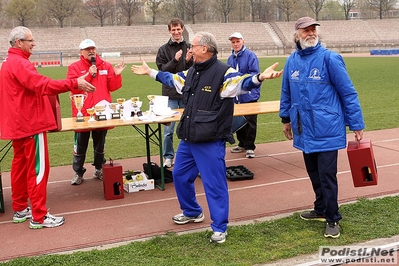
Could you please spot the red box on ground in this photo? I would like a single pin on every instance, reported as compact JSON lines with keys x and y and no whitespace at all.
{"x":112,"y":181}
{"x":362,"y":163}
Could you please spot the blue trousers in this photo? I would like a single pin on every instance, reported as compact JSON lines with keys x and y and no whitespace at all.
{"x":208,"y":158}
{"x":322,"y":170}
{"x":168,"y":150}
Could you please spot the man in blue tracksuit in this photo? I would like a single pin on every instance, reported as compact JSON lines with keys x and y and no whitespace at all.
{"x":317,"y":101}
{"x":208,"y":89}
{"x":245,"y":61}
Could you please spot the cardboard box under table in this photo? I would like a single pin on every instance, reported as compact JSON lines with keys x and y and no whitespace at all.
{"x":362,"y":163}
{"x":137,"y":181}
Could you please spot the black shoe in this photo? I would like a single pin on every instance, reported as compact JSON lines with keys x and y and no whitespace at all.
{"x":312,"y":216}
{"x":332,"y":230}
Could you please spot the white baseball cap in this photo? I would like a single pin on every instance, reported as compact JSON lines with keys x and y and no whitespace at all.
{"x":236,"y":35}
{"x":86,"y":43}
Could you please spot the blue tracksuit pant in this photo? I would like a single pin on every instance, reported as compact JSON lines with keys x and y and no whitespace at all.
{"x":208,"y":159}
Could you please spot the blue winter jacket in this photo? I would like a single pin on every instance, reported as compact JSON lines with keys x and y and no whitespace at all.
{"x":246,"y":62}
{"x":319,"y":100}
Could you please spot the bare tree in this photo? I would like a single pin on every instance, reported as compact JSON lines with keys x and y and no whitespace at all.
{"x":382,"y":6}
{"x":224,"y":7}
{"x":155,"y":7}
{"x":21,"y":10}
{"x":288,"y":7}
{"x":100,"y":9}
{"x":347,"y":6}
{"x":61,"y":9}
{"x":176,"y":9}
{"x":128,"y":9}
{"x":252,"y":9}
{"x":316,"y":6}
{"x":193,"y":8}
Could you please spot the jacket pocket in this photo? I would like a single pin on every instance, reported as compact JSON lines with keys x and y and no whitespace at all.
{"x":205,"y":125}
{"x":296,"y":125}
{"x":326,"y":123}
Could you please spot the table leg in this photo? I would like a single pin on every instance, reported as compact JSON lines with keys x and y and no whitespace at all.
{"x":1,"y":196}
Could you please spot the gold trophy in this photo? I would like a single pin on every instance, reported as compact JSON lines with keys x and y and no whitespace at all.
{"x":114,"y":114}
{"x":136,"y":108}
{"x":151,"y":113}
{"x":100,"y":109}
{"x":120,"y":101}
{"x":91,"y":112}
{"x":79,"y":100}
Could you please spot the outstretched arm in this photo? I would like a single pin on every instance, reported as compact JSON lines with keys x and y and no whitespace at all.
{"x":270,"y":73}
{"x":144,"y":69}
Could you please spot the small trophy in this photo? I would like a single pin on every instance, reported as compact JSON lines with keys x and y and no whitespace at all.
{"x":120,"y":101}
{"x":151,"y":113}
{"x":114,"y":115}
{"x":91,"y":112}
{"x":79,"y":100}
{"x":100,"y":109}
{"x":136,"y":107}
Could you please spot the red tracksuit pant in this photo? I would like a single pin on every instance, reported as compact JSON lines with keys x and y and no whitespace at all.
{"x":29,"y":175}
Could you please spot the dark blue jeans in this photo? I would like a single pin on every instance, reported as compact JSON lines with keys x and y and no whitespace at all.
{"x":322,"y":170}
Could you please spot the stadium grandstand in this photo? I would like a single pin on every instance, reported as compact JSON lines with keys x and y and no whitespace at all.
{"x":272,"y":38}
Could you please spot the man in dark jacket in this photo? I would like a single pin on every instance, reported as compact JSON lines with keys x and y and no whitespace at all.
{"x":208,"y":89}
{"x":173,"y":56}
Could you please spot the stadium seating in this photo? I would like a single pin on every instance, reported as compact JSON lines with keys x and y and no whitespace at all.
{"x":275,"y":37}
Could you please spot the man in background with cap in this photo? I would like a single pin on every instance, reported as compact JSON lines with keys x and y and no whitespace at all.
{"x":245,"y":61}
{"x":317,"y":101}
{"x":106,"y":79}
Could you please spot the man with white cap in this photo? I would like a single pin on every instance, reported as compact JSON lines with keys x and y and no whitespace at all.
{"x":246,"y":62}
{"x":106,"y":78}
{"x":317,"y":101}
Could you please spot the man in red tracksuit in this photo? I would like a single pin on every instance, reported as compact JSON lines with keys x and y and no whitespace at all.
{"x":25,"y":117}
{"x":106,"y":79}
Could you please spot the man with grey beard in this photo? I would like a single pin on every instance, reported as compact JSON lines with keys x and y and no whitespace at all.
{"x":317,"y":101}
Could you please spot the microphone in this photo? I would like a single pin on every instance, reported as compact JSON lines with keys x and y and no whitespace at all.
{"x":93,"y":63}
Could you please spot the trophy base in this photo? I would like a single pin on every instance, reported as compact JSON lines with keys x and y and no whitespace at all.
{"x":80,"y":119}
{"x":115,"y":116}
{"x":101,"y":117}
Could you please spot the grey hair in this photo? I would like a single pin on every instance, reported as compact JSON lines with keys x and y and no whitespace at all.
{"x":209,"y":40}
{"x":296,"y":34}
{"x":18,"y":33}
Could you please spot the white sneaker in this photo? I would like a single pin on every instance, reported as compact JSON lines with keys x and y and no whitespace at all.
{"x":182,"y":219}
{"x":237,"y":149}
{"x":250,"y":154}
{"x":77,"y":180}
{"x":218,"y":237}
{"x":98,"y":174}
{"x":168,"y":163}
{"x":49,"y":222}
{"x":21,"y":216}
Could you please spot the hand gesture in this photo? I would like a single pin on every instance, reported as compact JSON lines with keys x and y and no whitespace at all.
{"x":118,"y":68}
{"x":84,"y":85}
{"x":189,"y":55}
{"x":270,"y":73}
{"x":178,"y":55}
{"x":144,"y":69}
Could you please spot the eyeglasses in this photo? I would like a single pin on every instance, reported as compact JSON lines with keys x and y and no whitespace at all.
{"x":22,"y":40}
{"x":193,"y":45}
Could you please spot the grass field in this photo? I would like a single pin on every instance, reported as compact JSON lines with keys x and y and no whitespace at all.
{"x":375,"y":79}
